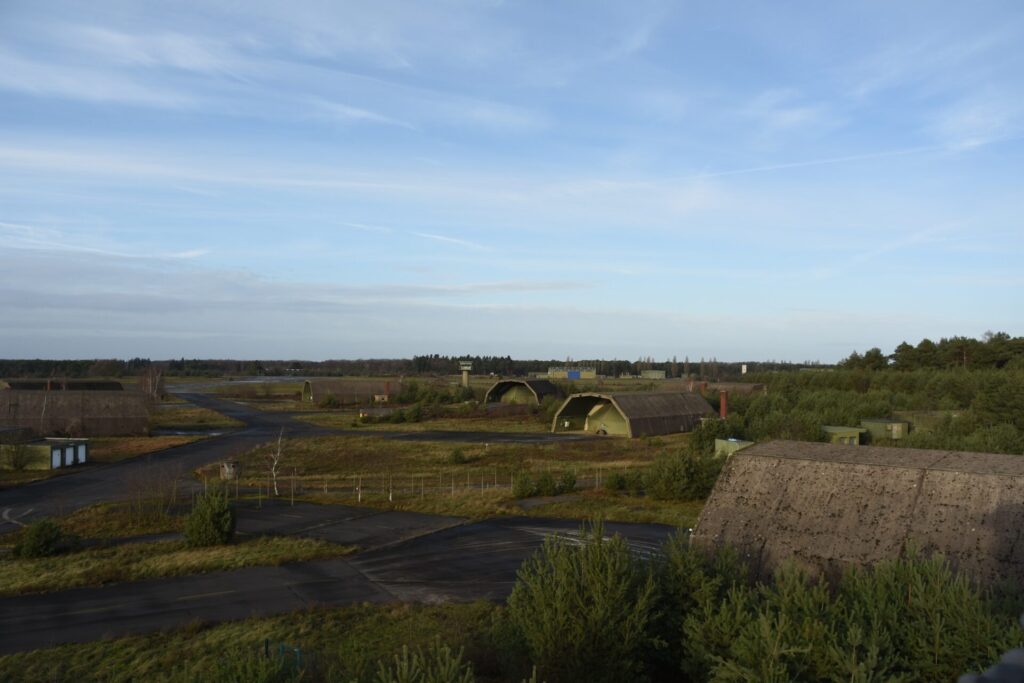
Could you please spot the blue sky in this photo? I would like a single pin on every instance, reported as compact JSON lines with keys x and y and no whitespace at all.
{"x":745,"y":180}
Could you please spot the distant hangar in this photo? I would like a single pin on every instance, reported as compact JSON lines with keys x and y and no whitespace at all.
{"x":521,"y":391}
{"x":632,"y":414}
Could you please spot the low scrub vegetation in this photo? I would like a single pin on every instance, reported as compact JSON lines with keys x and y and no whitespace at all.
{"x":42,"y":538}
{"x":593,"y":611}
{"x":543,"y":484}
{"x":472,"y":480}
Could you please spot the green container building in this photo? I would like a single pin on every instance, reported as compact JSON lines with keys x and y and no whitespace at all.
{"x":849,"y":436}
{"x":886,"y":428}
{"x":726,"y":447}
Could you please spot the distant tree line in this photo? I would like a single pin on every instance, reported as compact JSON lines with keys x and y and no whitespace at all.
{"x":426,"y":365}
{"x":993,"y":350}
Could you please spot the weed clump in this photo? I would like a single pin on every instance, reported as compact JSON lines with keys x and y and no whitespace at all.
{"x":686,"y":475}
{"x":525,"y":486}
{"x":41,"y":538}
{"x":457,"y":457}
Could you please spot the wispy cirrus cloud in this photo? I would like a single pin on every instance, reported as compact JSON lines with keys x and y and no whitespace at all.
{"x":32,"y":238}
{"x":452,"y":240}
{"x":84,"y":83}
{"x":977,"y":121}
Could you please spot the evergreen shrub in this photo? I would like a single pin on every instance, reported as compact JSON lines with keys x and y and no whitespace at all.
{"x":212,"y":521}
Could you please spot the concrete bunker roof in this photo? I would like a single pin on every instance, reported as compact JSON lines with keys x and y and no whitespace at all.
{"x":889,"y":456}
{"x":827,"y":507}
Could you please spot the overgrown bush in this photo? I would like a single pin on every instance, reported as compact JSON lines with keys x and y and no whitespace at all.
{"x":438,"y":664}
{"x":41,"y":538}
{"x":456,"y":457}
{"x":212,"y":521}
{"x":684,"y":475}
{"x":630,"y":481}
{"x":523,"y":486}
{"x":584,"y":611}
{"x":615,"y":481}
{"x":240,"y":666}
{"x":546,"y":484}
{"x":329,"y":402}
{"x":17,"y":456}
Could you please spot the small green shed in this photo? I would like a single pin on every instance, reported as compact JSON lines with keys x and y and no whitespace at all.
{"x":48,"y":454}
{"x":727,"y":447}
{"x":886,"y":428}
{"x":849,"y":436}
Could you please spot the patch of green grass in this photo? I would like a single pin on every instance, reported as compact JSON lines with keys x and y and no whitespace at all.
{"x":116,"y":448}
{"x":15,"y":478}
{"x":616,"y":507}
{"x":190,"y":417}
{"x":119,"y":520}
{"x":260,"y":390}
{"x":137,"y":561}
{"x":271,"y":405}
{"x":347,"y":640}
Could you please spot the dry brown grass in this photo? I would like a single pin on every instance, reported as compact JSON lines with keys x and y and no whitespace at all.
{"x":137,"y":561}
{"x":115,"y":448}
{"x":190,"y":417}
{"x":458,"y":479}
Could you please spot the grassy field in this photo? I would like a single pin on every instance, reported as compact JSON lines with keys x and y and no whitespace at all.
{"x":620,"y":507}
{"x":290,"y":391}
{"x":119,"y":520}
{"x":137,"y":561}
{"x":190,"y":417}
{"x":459,"y":479}
{"x":280,"y":405}
{"x":115,"y":448}
{"x":348,"y":641}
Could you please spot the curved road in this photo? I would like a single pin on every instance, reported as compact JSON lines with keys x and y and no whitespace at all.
{"x":96,"y":484}
{"x":405,"y":556}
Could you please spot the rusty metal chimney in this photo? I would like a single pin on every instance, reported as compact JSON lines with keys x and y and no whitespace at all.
{"x":723,"y":404}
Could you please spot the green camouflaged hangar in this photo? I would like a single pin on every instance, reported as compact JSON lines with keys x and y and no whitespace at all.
{"x":521,"y":391}
{"x":632,"y":414}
